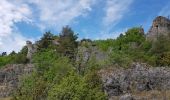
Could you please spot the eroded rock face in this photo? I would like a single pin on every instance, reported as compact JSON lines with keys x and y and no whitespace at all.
{"x":140,"y":77}
{"x":31,"y":49}
{"x":160,"y":26}
{"x":9,"y":77}
{"x":87,"y":53}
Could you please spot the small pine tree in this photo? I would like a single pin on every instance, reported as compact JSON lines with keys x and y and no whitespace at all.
{"x":46,"y":41}
{"x":68,"y":43}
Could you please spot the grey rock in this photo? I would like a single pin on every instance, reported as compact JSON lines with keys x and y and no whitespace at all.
{"x":32,"y":48}
{"x":127,"y":97}
{"x":87,"y":53}
{"x":140,"y":77}
{"x":9,"y":77}
{"x":160,"y":26}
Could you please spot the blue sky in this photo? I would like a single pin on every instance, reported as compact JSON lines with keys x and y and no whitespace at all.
{"x":22,"y":20}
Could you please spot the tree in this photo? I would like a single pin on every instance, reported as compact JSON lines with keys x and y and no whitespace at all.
{"x":68,"y":43}
{"x":160,"y":45}
{"x":3,"y":54}
{"x":12,"y":53}
{"x":50,"y":69}
{"x":165,"y":59}
{"x":46,"y":41}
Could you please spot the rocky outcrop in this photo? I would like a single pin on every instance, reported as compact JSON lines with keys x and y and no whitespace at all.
{"x":87,"y":52}
{"x":139,"y":78}
{"x":32,"y":48}
{"x":9,"y":77}
{"x":160,"y":26}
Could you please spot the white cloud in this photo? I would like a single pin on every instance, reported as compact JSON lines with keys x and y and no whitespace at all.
{"x":50,"y":14}
{"x":44,"y":13}
{"x":115,"y":11}
{"x":12,"y":42}
{"x":11,"y":13}
{"x":57,"y":13}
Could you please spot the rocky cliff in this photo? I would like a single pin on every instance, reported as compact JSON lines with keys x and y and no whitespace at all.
{"x":160,"y":26}
{"x":9,"y":77}
{"x":140,"y":81}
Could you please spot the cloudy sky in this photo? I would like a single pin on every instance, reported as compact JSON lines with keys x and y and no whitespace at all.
{"x":22,"y":20}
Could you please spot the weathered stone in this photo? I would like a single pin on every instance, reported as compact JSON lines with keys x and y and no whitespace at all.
{"x":86,"y":52}
{"x":31,"y":49}
{"x":140,"y":77}
{"x":127,"y":97}
{"x":9,"y":77}
{"x":160,"y":26}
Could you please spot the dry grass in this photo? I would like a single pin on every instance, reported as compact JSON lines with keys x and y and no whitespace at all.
{"x":149,"y":95}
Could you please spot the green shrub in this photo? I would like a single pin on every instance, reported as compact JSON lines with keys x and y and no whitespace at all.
{"x":76,"y":87}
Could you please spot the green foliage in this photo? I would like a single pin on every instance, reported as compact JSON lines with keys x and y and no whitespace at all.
{"x":32,"y":88}
{"x":14,"y":58}
{"x":164,"y":60}
{"x":160,"y":48}
{"x":160,"y":45}
{"x":50,"y":69}
{"x":146,"y":46}
{"x":121,"y":59}
{"x":57,"y":78}
{"x":4,"y":60}
{"x":68,"y":43}
{"x":104,"y":45}
{"x":46,"y":41}
{"x":85,"y":43}
{"x":19,"y":58}
{"x":128,"y":48}
{"x":134,"y":35}
{"x":76,"y":87}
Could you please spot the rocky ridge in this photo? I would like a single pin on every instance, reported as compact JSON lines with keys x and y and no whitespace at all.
{"x":122,"y":83}
{"x":139,"y":78}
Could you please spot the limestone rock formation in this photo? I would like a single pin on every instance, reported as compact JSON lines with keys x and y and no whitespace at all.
{"x":139,"y":78}
{"x":9,"y":77}
{"x":31,"y":49}
{"x":160,"y":26}
{"x":88,"y":51}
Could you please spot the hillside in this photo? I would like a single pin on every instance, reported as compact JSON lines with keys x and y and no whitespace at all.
{"x":134,"y":66}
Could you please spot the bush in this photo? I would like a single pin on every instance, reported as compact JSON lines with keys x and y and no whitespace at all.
{"x":76,"y":87}
{"x":50,"y":69}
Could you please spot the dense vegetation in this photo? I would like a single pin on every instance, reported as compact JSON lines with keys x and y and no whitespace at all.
{"x":56,"y":76}
{"x":14,"y":58}
{"x":134,"y":47}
